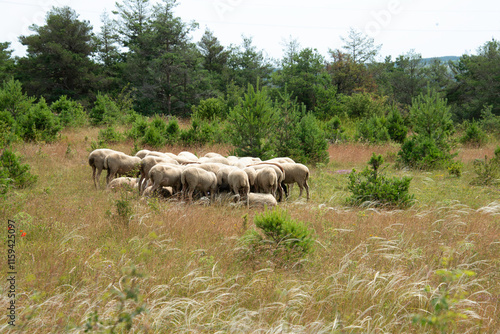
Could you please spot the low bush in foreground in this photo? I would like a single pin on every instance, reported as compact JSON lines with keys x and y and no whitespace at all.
{"x":280,"y":237}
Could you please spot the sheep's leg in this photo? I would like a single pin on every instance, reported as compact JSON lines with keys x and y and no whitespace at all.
{"x":110,"y":176}
{"x":301,"y":188}
{"x":98,"y":177}
{"x":307,"y":189}
{"x":93,"y":176}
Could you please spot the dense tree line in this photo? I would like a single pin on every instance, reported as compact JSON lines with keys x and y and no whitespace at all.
{"x":147,"y":50}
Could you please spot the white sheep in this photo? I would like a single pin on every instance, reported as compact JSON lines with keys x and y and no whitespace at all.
{"x":222,"y":180}
{"x":96,"y":161}
{"x":281,"y":160}
{"x":194,"y":178}
{"x":122,"y":182}
{"x":188,"y":156}
{"x":259,"y":200}
{"x":296,"y":173}
{"x":239,"y":184}
{"x":147,"y":163}
{"x":280,"y":173}
{"x":142,"y":153}
{"x":212,"y":155}
{"x":164,"y":192}
{"x":166,"y":175}
{"x":266,"y":181}
{"x":252,"y":174}
{"x":220,"y":160}
{"x":213,"y":167}
{"x":119,"y":163}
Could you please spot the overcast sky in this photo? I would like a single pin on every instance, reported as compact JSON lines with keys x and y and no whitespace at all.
{"x":432,"y":28}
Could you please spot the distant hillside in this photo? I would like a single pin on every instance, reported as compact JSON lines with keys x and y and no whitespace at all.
{"x":443,"y":59}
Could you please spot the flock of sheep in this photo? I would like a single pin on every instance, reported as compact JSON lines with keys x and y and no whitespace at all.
{"x":251,"y":180}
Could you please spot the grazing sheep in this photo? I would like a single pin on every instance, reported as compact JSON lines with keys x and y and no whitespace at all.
{"x":158,"y":154}
{"x":194,"y":178}
{"x":296,"y":173}
{"x":219,"y":160}
{"x":259,"y":200}
{"x":165,"y":175}
{"x":119,"y":163}
{"x":246,"y":161}
{"x":96,"y":161}
{"x":147,"y":163}
{"x":212,"y":155}
{"x":142,"y":153}
{"x":222,"y":174}
{"x":238,"y":181}
{"x":210,"y":166}
{"x":122,"y":182}
{"x":163,"y":192}
{"x":280,"y":173}
{"x":266,"y":181}
{"x":188,"y":156}
{"x":252,"y":174}
{"x":282,"y":160}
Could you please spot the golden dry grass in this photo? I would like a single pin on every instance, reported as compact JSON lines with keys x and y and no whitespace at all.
{"x":368,"y":272}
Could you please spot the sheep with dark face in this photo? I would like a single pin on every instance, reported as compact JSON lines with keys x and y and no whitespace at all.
{"x":222,"y":178}
{"x":296,"y":173}
{"x":162,"y":192}
{"x":194,"y":178}
{"x":119,"y":163}
{"x":96,"y":161}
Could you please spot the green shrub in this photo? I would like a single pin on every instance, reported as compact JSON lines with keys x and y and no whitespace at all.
{"x":489,"y":121}
{"x":14,"y":174}
{"x":363,"y":105}
{"x":252,"y":124}
{"x":473,"y":135}
{"x":172,"y":131}
{"x":396,"y":127}
{"x":8,"y":133}
{"x":13,"y":100}
{"x":138,"y":129}
{"x":212,"y":108}
{"x":153,"y":137}
{"x":204,"y":132}
{"x":109,"y":135}
{"x":373,"y":130}
{"x":39,"y":123}
{"x":420,"y":152}
{"x":334,"y":131}
{"x":107,"y":111}
{"x":313,"y":142}
{"x":487,"y":171}
{"x":423,"y":153}
{"x":70,"y":113}
{"x":431,"y":119}
{"x":455,"y":168}
{"x":280,"y":235}
{"x":377,"y":189}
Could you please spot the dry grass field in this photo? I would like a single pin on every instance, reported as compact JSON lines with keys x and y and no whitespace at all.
{"x":177,"y":268}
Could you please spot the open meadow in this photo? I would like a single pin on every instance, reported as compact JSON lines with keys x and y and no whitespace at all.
{"x":99,"y":261}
